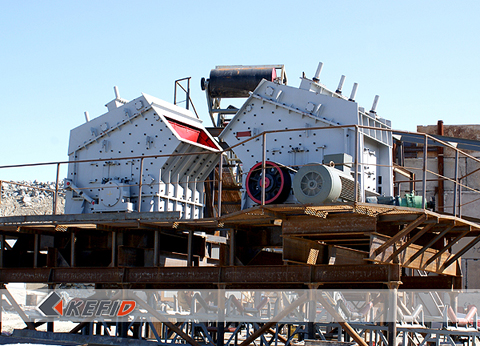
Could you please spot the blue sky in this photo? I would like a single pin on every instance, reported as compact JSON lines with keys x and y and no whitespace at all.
{"x":61,"y":58}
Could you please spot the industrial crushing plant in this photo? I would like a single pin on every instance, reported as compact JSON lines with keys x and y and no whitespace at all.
{"x":294,"y":219}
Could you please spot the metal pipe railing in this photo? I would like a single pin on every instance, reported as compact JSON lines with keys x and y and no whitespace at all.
{"x":357,"y":163}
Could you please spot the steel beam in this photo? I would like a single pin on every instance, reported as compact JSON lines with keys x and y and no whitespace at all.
{"x":406,"y":259}
{"x":72,"y":249}
{"x":410,"y":241}
{"x":98,"y":217}
{"x":301,"y":300}
{"x":430,"y":243}
{"x":156,"y":250}
{"x":451,"y":260}
{"x":339,"y":319}
{"x":2,"y":250}
{"x":36,"y":247}
{"x":447,"y":247}
{"x":190,"y":248}
{"x":400,"y":235}
{"x":172,"y":277}
{"x":20,"y":312}
{"x":344,"y":222}
{"x":440,"y":282}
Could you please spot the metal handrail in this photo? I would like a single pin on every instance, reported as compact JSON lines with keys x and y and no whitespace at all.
{"x":456,"y":180}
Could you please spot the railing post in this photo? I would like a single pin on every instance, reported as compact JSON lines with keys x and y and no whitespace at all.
{"x":55,"y":196}
{"x":213,"y":192}
{"x":455,"y":187}
{"x":424,"y":179}
{"x":460,"y":197}
{"x":220,"y":182}
{"x":140,"y":181}
{"x":264,"y":157}
{"x":355,"y":193}
{"x":188,"y":93}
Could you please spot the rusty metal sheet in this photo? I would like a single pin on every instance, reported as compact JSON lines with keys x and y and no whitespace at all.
{"x":341,"y":255}
{"x":89,"y":218}
{"x":439,"y":282}
{"x":304,"y":251}
{"x":367,"y":273}
{"x":333,"y":223}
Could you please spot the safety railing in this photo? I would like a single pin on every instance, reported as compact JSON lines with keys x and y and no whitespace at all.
{"x":464,"y":170}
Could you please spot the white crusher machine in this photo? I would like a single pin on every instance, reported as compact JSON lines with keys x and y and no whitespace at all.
{"x":145,"y":126}
{"x":311,"y":165}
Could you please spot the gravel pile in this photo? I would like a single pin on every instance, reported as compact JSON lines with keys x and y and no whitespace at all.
{"x":29,"y":198}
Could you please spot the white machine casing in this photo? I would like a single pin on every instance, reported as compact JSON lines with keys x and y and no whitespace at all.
{"x":145,"y":126}
{"x":273,"y":107}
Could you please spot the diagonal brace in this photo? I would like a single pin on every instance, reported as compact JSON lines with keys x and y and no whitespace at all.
{"x":301,"y":300}
{"x":410,"y":241}
{"x":165,"y":321}
{"x":400,"y":235}
{"x":17,"y":308}
{"x":451,"y":260}
{"x":448,"y":246}
{"x":430,"y":243}
{"x":341,"y":321}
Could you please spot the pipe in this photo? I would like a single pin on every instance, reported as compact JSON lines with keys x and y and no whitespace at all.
{"x":354,"y":92}
{"x":355,"y":192}
{"x":90,"y":200}
{"x":441,"y":187}
{"x":117,"y":94}
{"x":424,"y":180}
{"x":455,"y":185}
{"x":87,"y":117}
{"x":55,"y":196}
{"x":316,"y":78}
{"x":374,"y":106}
{"x":340,"y":85}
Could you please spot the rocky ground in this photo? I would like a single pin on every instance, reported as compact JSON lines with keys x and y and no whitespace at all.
{"x":29,"y":198}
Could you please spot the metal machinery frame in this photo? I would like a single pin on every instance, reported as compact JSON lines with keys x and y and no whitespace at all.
{"x":315,"y":251}
{"x":339,"y":246}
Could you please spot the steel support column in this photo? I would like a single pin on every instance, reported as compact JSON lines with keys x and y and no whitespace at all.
{"x":72,"y":249}
{"x":113,"y":262}
{"x":156,"y":246}
{"x":36,"y":246}
{"x":220,"y":185}
{"x":392,"y":313}
{"x":232,"y":247}
{"x":2,"y":250}
{"x":221,"y":316}
{"x":190,"y":249}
